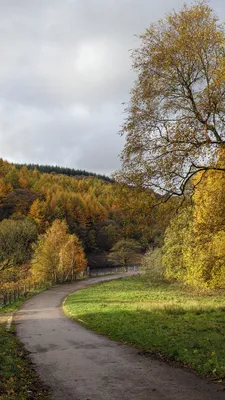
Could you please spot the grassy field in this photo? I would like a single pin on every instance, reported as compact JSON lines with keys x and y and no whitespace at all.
{"x":18,"y":379}
{"x":162,"y":319}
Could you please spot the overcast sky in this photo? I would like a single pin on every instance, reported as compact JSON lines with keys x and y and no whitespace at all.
{"x":65,"y":71}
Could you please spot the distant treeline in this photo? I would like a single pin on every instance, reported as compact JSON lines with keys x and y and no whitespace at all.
{"x":62,"y":170}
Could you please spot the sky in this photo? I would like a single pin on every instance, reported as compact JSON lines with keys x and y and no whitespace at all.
{"x":65,"y":75}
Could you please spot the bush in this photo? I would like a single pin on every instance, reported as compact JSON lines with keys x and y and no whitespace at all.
{"x":152,"y":265}
{"x":16,"y":238}
{"x":124,"y":252}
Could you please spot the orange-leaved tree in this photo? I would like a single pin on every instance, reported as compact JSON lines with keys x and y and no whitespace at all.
{"x":57,"y":254}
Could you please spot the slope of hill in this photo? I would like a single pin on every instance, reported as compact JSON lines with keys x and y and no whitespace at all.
{"x":97,"y":211}
{"x":64,"y":171}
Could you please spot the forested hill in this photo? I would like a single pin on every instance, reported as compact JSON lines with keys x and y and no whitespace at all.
{"x":45,"y":219}
{"x":98,"y":211}
{"x":64,"y":171}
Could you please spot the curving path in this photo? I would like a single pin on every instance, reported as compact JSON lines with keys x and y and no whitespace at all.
{"x":78,"y":364}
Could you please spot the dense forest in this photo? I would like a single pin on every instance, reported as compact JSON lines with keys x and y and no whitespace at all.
{"x":64,"y":171}
{"x":53,"y":225}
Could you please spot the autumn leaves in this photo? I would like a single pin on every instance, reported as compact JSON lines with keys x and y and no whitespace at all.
{"x":58,"y":256}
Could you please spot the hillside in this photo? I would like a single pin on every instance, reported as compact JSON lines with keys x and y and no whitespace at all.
{"x":53,"y":226}
{"x":78,"y":173}
{"x":97,"y":211}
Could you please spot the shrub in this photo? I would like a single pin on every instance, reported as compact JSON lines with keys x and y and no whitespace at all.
{"x":152,"y":265}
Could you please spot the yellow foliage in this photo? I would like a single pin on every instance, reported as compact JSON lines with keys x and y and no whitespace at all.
{"x":175,"y":238}
{"x":4,"y":187}
{"x":209,"y":198}
{"x":175,"y":117}
{"x":194,"y":252}
{"x":72,"y":258}
{"x":58,"y":255}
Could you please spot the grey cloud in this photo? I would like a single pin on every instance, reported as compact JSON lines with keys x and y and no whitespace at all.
{"x":65,"y":70}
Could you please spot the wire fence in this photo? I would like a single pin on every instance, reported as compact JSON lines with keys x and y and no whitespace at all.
{"x":23,"y":289}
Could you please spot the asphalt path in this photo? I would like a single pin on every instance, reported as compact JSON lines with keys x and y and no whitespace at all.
{"x":78,"y":364}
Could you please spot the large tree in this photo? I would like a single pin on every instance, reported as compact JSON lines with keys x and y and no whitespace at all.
{"x":175,"y":121}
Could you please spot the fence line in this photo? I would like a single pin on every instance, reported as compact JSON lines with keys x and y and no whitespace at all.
{"x":10,"y":296}
{"x":112,"y":270}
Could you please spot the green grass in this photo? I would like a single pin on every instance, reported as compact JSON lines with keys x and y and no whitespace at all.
{"x":10,"y":308}
{"x":163,"y":319}
{"x":19,"y":380}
